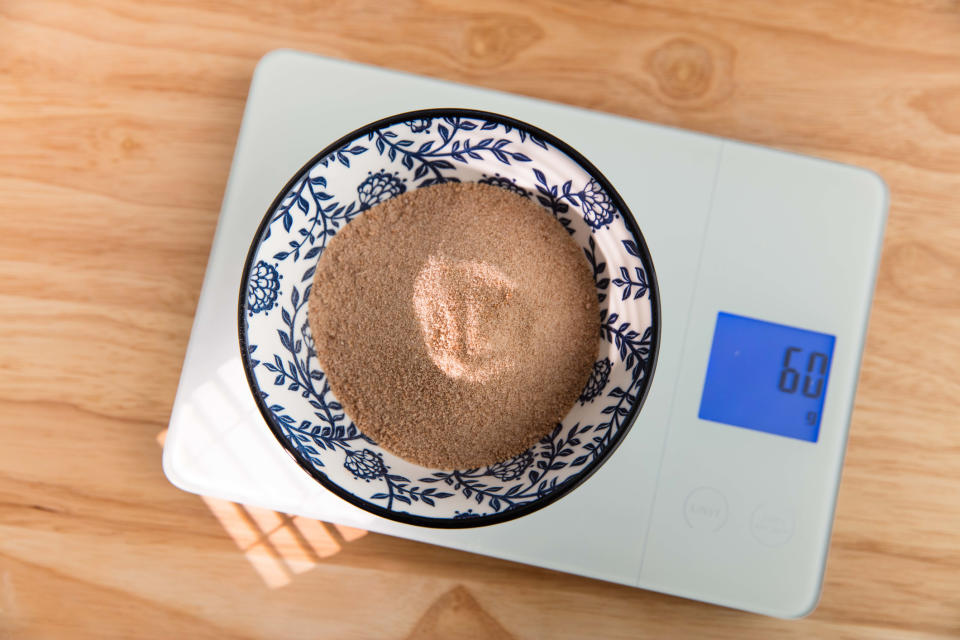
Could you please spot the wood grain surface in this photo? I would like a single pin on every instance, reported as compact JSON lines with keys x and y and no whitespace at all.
{"x":117,"y":124}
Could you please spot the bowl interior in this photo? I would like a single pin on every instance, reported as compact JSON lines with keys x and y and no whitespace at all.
{"x":374,"y":164}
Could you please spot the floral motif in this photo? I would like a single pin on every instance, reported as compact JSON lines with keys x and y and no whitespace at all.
{"x":308,"y":337}
{"x":597,"y":381}
{"x":510,"y":184}
{"x":513,"y":468}
{"x":419,"y":125}
{"x":379,"y":187}
{"x":597,"y":207}
{"x":263,"y":285}
{"x":365,"y":465}
{"x":293,"y":390}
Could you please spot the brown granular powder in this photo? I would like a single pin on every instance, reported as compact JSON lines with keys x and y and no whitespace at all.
{"x":457,"y":323}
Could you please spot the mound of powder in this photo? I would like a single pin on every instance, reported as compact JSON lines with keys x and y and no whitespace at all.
{"x":457,"y":323}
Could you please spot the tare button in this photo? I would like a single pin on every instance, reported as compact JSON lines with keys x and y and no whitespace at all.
{"x":705,"y":509}
{"x":772,"y":524}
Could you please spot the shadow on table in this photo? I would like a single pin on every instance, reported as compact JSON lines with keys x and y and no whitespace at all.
{"x":277,"y":545}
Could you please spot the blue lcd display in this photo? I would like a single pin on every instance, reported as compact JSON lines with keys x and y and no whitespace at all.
{"x":767,"y":377}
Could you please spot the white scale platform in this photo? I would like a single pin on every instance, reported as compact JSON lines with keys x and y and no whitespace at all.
{"x":685,"y":506}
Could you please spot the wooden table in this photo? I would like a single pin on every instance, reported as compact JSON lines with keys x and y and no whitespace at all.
{"x":117,"y":125}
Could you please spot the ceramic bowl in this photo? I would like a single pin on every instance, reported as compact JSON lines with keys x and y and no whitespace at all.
{"x":367,"y":167}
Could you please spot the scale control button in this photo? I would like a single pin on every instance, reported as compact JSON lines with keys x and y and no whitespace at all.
{"x":772,"y":524}
{"x":705,"y":509}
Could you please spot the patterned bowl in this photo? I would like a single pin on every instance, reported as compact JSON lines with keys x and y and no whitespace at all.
{"x":369,"y":166}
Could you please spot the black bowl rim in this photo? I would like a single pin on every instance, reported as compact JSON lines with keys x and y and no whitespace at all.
{"x":568,"y":485}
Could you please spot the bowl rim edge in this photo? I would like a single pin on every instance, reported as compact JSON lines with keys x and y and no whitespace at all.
{"x":567,"y":485}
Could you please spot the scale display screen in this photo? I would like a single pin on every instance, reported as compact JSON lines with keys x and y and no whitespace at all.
{"x":767,"y":377}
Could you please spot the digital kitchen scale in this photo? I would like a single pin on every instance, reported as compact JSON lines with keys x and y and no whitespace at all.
{"x":724,"y":490}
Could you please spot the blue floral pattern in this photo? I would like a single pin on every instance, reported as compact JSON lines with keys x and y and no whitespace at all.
{"x":366,"y":465}
{"x":596,"y":205}
{"x":419,"y":125}
{"x":378,"y":187}
{"x":263,"y":285}
{"x":307,"y":337}
{"x":597,"y":381}
{"x":379,"y":164}
{"x":511,"y":469}
{"x":504,"y":183}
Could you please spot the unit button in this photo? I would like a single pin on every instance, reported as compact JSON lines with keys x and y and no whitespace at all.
{"x":772,"y":524}
{"x":705,"y":509}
